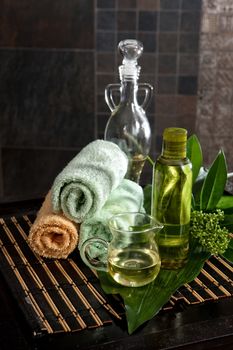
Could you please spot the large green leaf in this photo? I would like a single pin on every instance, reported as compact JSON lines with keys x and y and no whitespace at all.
{"x":229,"y":252}
{"x":214,"y":183}
{"x":194,"y":153}
{"x":226,"y":204}
{"x":143,"y":303}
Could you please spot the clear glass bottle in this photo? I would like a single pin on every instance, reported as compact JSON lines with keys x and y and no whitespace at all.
{"x":171,"y":198}
{"x":128,"y":125}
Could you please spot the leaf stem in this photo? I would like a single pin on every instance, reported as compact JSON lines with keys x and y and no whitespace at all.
{"x":152,"y":163}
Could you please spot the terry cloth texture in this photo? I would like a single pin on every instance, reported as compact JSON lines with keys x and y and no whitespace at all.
{"x":127,"y":197}
{"x":84,"y":185}
{"x":52,"y":235}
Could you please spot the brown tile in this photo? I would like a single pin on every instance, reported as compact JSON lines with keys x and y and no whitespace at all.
{"x":103,"y":80}
{"x":188,"y":64}
{"x":167,"y":64}
{"x":186,"y":121}
{"x":127,"y":4}
{"x":167,"y":84}
{"x":45,"y":23}
{"x":148,"y":5}
{"x":106,"y":63}
{"x":186,"y":104}
{"x":148,"y":63}
{"x":165,"y":104}
{"x":126,"y":20}
{"x":167,"y":42}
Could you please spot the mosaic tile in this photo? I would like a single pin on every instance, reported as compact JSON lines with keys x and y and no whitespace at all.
{"x":148,"y":4}
{"x":167,"y":64}
{"x":126,"y":20}
{"x":127,"y":3}
{"x":191,"y":4}
{"x":188,"y":64}
{"x":168,"y":42}
{"x":186,"y":104}
{"x":169,"y":4}
{"x":147,"y":21}
{"x":106,"y":3}
{"x":187,"y":85}
{"x":167,"y":84}
{"x":169,"y":21}
{"x":105,"y":41}
{"x":189,"y":43}
{"x":106,"y":20}
{"x":148,"y":40}
{"x":190,"y":22}
{"x":165,"y":104}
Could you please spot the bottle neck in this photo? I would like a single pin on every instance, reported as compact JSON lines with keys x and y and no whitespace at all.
{"x":174,"y":150}
{"x":129,"y":89}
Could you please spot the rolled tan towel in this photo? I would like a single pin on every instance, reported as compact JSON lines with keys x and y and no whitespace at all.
{"x":52,"y":235}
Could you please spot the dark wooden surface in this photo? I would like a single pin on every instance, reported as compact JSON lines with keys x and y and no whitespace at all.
{"x":203,"y":326}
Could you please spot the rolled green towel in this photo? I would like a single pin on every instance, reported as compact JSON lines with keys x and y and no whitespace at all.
{"x":84,"y":185}
{"x":127,"y":197}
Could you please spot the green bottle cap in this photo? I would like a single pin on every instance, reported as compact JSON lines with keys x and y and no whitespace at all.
{"x":174,"y":143}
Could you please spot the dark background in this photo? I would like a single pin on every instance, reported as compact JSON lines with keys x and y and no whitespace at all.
{"x":56,"y":57}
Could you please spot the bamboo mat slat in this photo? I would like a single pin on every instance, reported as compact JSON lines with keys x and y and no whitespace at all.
{"x":65,"y":296}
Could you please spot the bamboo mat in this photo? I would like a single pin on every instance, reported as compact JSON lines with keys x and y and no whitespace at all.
{"x":65,"y":296}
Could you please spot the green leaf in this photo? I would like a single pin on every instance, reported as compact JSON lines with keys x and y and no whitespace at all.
{"x":226,"y":204}
{"x":194,"y":153}
{"x":228,"y":254}
{"x":143,"y":303}
{"x":228,"y":222}
{"x":147,"y":198}
{"x":214,"y":183}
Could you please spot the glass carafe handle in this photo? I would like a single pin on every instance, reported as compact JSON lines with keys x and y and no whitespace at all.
{"x":148,"y":93}
{"x":108,"y":95}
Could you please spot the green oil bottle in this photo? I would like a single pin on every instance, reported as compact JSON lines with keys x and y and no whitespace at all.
{"x":171,"y":198}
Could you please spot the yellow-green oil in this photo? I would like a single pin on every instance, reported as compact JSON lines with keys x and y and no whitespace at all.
{"x":134,"y":267}
{"x":171,"y":205}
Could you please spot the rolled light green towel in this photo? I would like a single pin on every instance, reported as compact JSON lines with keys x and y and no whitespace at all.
{"x":84,"y":185}
{"x":127,"y":197}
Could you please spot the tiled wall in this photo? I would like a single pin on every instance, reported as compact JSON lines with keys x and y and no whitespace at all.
{"x":215,"y":103}
{"x":56,"y":58}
